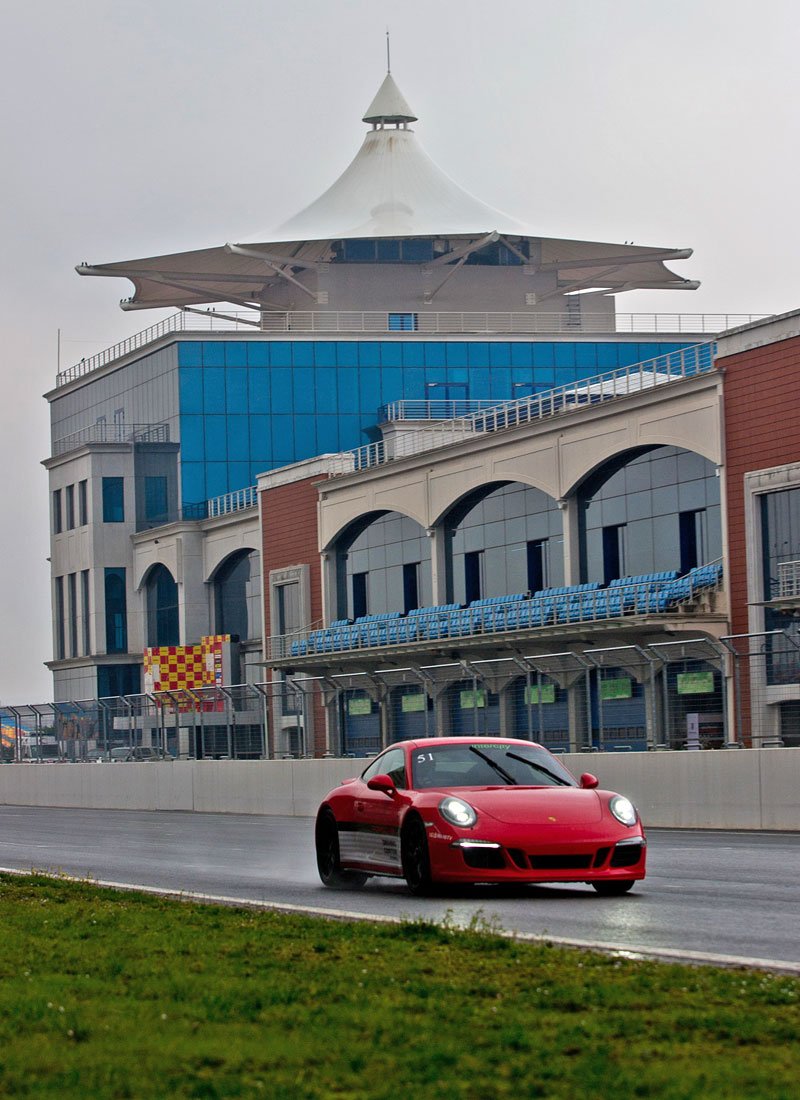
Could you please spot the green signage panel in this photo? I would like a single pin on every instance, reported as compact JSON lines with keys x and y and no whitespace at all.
{"x":695,"y":683}
{"x":472,"y":699}
{"x":413,"y":702}
{"x":535,"y":695}
{"x":620,"y":688}
{"x":361,"y":705}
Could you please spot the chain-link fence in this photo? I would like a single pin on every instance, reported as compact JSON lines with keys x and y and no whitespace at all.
{"x":698,"y":693}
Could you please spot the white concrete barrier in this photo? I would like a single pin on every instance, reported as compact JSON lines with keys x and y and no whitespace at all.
{"x":745,"y":789}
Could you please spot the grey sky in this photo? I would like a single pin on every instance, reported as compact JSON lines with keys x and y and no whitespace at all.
{"x":135,"y":128}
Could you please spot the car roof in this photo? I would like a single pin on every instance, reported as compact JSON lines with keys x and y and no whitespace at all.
{"x":427,"y":742}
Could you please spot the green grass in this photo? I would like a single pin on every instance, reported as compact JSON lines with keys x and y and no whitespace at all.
{"x":113,"y":994}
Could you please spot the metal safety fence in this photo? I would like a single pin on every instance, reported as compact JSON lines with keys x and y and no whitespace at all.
{"x":691,"y":694}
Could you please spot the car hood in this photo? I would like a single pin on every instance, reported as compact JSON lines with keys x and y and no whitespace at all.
{"x":537,"y":805}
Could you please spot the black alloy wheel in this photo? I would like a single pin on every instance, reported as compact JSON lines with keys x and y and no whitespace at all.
{"x":416,"y":858}
{"x":328,"y":865}
{"x":612,"y":888}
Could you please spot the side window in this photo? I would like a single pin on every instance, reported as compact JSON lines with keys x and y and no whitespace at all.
{"x":392,"y":763}
{"x":113,"y":500}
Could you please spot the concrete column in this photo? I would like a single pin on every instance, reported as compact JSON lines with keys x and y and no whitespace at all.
{"x":507,"y":717}
{"x":193,"y":605}
{"x":570,"y":512}
{"x":438,"y":564}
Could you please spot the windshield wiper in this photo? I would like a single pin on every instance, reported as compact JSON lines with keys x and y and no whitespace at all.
{"x":539,"y":768}
{"x":494,"y":765}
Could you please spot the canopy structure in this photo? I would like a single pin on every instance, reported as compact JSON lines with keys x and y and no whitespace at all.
{"x":392,"y":191}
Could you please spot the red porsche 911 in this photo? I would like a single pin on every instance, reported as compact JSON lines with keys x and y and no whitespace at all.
{"x":477,"y":810}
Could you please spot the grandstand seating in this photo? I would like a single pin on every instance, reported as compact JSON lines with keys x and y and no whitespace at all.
{"x":646,"y":594}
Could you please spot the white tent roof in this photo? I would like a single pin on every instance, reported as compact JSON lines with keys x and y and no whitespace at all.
{"x":392,"y":188}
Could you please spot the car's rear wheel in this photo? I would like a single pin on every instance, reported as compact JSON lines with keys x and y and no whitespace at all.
{"x":416,"y":857}
{"x":328,"y":862}
{"x":614,"y":887}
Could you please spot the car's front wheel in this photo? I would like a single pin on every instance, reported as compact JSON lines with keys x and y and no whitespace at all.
{"x":614,"y":887}
{"x":328,"y":863}
{"x":416,"y":857}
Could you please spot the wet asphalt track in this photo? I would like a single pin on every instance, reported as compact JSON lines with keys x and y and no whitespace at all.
{"x":725,"y":893}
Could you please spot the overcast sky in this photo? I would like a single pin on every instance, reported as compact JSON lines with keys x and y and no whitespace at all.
{"x":131,"y":129}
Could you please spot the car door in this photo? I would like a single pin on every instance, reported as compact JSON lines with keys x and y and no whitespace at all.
{"x":377,"y":815}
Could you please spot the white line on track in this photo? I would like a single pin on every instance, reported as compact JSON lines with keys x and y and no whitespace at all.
{"x":659,"y":954}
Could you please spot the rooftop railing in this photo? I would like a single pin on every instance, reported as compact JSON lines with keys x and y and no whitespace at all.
{"x":197,"y":322}
{"x":111,"y":433}
{"x":611,"y":386}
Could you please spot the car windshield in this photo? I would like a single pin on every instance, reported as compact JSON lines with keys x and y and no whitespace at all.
{"x":487,"y":764}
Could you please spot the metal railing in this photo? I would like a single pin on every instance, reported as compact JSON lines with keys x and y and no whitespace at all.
{"x":613,"y":385}
{"x":233,"y":502}
{"x":222,"y":505}
{"x":111,"y":433}
{"x":433,"y":410}
{"x":426,"y":324}
{"x":789,"y":580}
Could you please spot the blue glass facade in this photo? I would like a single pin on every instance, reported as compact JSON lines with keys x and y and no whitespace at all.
{"x":251,"y":406}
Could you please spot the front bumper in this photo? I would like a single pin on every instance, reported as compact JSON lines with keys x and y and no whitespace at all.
{"x":546,"y":856}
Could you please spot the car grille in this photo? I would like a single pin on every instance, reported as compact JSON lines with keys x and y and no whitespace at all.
{"x":559,"y":861}
{"x":491,"y":859}
{"x":626,"y":856}
{"x":484,"y":859}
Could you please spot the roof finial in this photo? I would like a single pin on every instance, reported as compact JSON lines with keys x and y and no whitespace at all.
{"x":388,"y":54}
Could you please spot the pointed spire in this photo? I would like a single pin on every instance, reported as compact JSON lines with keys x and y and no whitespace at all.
{"x":389,"y":105}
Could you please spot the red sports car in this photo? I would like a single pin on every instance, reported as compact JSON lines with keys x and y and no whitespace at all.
{"x":473,"y":809}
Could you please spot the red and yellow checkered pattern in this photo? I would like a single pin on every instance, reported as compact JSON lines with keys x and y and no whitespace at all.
{"x":183,"y":667}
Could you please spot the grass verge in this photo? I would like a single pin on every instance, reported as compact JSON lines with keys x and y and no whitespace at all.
{"x":111,"y":994}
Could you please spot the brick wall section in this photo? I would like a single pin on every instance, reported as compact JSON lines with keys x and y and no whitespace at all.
{"x":289,"y":537}
{"x":762,"y":429}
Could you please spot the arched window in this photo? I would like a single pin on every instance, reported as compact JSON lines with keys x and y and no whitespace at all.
{"x":162,"y":608}
{"x":236,"y":593}
{"x":649,"y":511}
{"x":383,"y":564}
{"x":503,"y":539}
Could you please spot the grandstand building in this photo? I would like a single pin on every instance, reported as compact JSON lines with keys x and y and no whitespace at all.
{"x":400,"y":433}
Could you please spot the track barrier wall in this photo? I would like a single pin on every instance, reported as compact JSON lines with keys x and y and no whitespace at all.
{"x":746,"y":789}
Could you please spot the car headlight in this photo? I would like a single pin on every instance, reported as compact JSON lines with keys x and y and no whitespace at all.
{"x":458,"y":812}
{"x":623,"y":810}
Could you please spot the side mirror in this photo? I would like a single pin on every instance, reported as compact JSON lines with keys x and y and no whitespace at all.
{"x":383,"y":783}
{"x":589,"y":781}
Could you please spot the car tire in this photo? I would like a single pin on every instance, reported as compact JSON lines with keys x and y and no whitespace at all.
{"x":328,"y":865}
{"x":416,"y":857}
{"x":614,"y":887}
